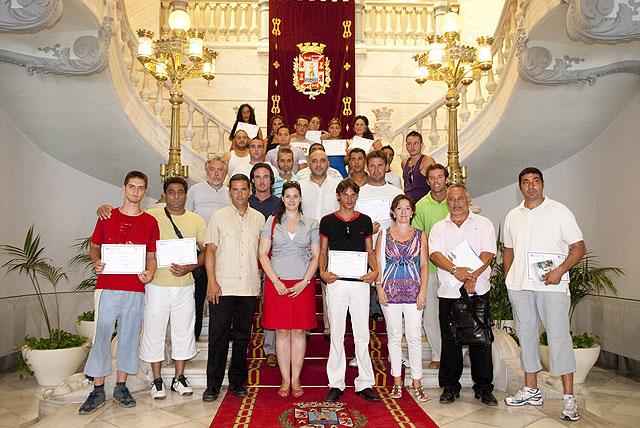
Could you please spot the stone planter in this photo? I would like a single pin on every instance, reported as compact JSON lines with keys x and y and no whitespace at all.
{"x":585,"y":359}
{"x":86,"y":329}
{"x":52,"y":366}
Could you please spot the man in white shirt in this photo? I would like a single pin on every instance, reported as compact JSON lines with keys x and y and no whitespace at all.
{"x":239,"y":154}
{"x":391,"y":177}
{"x":543,"y":226}
{"x":306,"y":172}
{"x":446,"y":235}
{"x":318,"y":200}
{"x":301,"y":127}
{"x":256,"y":155}
{"x":284,"y":139}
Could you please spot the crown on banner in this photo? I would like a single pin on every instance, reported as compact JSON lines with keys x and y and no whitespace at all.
{"x":311,"y":47}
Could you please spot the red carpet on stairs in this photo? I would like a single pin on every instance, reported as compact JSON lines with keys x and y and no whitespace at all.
{"x":263,"y":408}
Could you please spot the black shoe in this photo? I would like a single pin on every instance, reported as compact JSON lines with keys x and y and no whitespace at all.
{"x":238,"y":390}
{"x":368,"y":394}
{"x":123,"y":397}
{"x":333,"y":395}
{"x":486,"y":397}
{"x":94,"y":402}
{"x":210,"y":394}
{"x":449,"y":395}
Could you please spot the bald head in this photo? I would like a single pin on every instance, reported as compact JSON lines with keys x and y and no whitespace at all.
{"x":319,"y":163}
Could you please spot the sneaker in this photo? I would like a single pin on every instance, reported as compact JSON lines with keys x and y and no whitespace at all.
{"x":94,"y":401}
{"x":123,"y":397}
{"x":570,"y":408}
{"x":181,"y":385}
{"x":353,"y":363}
{"x":158,"y":391}
{"x":526,"y":395}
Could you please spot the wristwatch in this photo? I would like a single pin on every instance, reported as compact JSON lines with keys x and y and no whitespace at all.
{"x":452,"y":271}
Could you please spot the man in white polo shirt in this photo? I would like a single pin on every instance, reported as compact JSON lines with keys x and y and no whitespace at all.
{"x":446,"y":235}
{"x":536,"y":231}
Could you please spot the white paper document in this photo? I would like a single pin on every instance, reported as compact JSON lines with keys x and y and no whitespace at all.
{"x":178,"y":251}
{"x":302,"y":146}
{"x":313,"y":136}
{"x":462,"y":256}
{"x":379,"y":209}
{"x":348,"y":264}
{"x":335,"y":147}
{"x":251,"y":130}
{"x":363,"y":143}
{"x":540,"y":263}
{"x":123,"y":259}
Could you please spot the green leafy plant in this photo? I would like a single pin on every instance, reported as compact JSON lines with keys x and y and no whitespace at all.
{"x":500,"y":306}
{"x":584,"y":340}
{"x":82,"y":260}
{"x":86,"y":316}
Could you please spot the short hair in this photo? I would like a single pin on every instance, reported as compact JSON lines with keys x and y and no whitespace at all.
{"x":436,"y":166}
{"x":336,"y":121}
{"x":257,"y":139}
{"x":178,"y":180}
{"x":403,"y":197}
{"x":216,"y":158}
{"x":387,"y":147}
{"x":377,"y":154}
{"x":460,"y":186}
{"x":240,"y":177}
{"x":256,"y":167}
{"x":347,"y":183}
{"x":302,"y":116}
{"x":530,"y":170}
{"x":240,"y":130}
{"x":285,"y":127}
{"x":136,"y":174}
{"x":415,"y":134}
{"x":357,"y":150}
{"x":284,"y":150}
{"x":318,"y":145}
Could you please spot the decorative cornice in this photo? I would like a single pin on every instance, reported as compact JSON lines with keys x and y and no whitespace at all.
{"x":588,"y":21}
{"x":33,"y":15}
{"x":91,"y":52}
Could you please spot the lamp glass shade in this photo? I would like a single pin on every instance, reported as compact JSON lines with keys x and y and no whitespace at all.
{"x":451,"y":23}
{"x":436,"y":53}
{"x":196,"y":46}
{"x":179,"y":20}
{"x":161,"y":71}
{"x":484,"y":53}
{"x":145,"y":47}
{"x":206,"y":69}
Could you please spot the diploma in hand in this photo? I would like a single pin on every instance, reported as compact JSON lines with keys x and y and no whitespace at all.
{"x":379,"y":209}
{"x":313,"y":136}
{"x":363,"y":143}
{"x":539,"y":264}
{"x":348,"y":264}
{"x":335,"y":147}
{"x":123,"y":259}
{"x":178,"y":251}
{"x":251,"y":130}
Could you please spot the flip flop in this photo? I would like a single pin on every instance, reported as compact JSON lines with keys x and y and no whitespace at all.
{"x":284,"y":393}
{"x":297,"y":392}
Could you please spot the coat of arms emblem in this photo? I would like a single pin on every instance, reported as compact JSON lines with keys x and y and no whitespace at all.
{"x":311,"y":71}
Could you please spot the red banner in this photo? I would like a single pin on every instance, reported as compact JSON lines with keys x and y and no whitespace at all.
{"x":312,"y":60}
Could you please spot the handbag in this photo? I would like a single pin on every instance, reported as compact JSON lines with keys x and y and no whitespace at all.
{"x":199,"y":271}
{"x":470,"y":320}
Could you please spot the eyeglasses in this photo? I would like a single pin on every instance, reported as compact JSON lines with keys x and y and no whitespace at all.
{"x":346,"y":227}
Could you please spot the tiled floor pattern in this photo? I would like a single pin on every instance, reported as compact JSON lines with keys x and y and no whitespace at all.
{"x":613,"y":398}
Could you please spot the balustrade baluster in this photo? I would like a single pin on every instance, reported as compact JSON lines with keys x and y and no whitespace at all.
{"x":409,"y":31}
{"x":244,"y":28}
{"x":507,"y":40}
{"x":500,"y":61}
{"x":164,"y":19}
{"x":222,"y":28}
{"x":491,"y":82}
{"x":189,"y":132}
{"x":379,"y":32}
{"x":158,"y":107}
{"x":220,"y":140}
{"x":479,"y":99}
{"x":431,"y":22}
{"x":420,"y":34}
{"x":433,"y":136}
{"x":254,"y":30}
{"x":133,"y":70}
{"x":202,"y":17}
{"x":233,"y":28}
{"x":144,"y":92}
{"x":212,"y":28}
{"x":368,"y":31}
{"x":405,"y":153}
{"x":388,"y":30}
{"x":265,"y":24}
{"x":513,"y":24}
{"x":419,"y":125}
{"x":191,"y":10}
{"x":464,"y":108}
{"x":399,"y":30}
{"x":204,"y":142}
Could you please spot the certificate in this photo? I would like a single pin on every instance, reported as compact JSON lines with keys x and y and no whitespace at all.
{"x":123,"y":259}
{"x":335,"y":147}
{"x":313,"y":136}
{"x":540,"y":263}
{"x":251,"y":130}
{"x":178,"y":251}
{"x":348,"y":264}
{"x":363,"y":143}
{"x":463,"y":256}
{"x":379,"y":209}
{"x":302,"y":146}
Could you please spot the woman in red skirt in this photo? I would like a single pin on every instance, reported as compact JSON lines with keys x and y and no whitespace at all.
{"x":289,"y":297}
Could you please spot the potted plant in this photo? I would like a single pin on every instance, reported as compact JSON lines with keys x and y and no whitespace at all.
{"x":587,"y":277}
{"x":85,"y":325}
{"x":57,"y":356}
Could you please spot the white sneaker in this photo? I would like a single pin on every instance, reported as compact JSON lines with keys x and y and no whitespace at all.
{"x":181,"y":386}
{"x":158,"y":391}
{"x":353,"y":363}
{"x":526,"y":395}
{"x":570,"y":408}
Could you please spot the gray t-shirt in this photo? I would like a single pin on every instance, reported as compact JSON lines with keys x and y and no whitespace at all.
{"x":204,"y":200}
{"x":290,"y":257}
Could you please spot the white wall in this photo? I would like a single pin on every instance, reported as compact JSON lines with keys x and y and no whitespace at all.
{"x":600,"y":185}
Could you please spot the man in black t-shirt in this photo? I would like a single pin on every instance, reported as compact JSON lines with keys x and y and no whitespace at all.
{"x":348,"y":230}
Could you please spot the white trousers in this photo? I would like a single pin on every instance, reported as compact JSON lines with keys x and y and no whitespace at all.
{"x":161,"y":304}
{"x":325,"y":310}
{"x":412,"y":326}
{"x":431,"y":320}
{"x":354,"y":296}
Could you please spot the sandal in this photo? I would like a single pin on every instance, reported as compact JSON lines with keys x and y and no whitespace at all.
{"x":297,"y":393}
{"x":420,"y":394}
{"x":396,"y":391}
{"x":284,"y":393}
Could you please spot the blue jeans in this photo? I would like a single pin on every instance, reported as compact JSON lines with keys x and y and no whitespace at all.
{"x":127,"y":308}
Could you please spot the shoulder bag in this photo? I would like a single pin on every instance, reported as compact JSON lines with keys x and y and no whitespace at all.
{"x":470,"y":321}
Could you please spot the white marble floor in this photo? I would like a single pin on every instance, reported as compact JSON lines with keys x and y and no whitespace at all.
{"x":612,"y":400}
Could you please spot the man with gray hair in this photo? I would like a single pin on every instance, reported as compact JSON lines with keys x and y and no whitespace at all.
{"x":204,"y":199}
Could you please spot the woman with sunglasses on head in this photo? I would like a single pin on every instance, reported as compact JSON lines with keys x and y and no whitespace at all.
{"x":414,"y":168}
{"x":402,"y":290}
{"x":288,"y":250}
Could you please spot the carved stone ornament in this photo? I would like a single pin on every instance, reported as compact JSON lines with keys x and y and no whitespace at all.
{"x":33,"y":15}
{"x":534,"y":63}
{"x":91,"y":55}
{"x":589,"y":21}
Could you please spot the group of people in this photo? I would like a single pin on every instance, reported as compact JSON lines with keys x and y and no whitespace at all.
{"x":285,"y":219}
